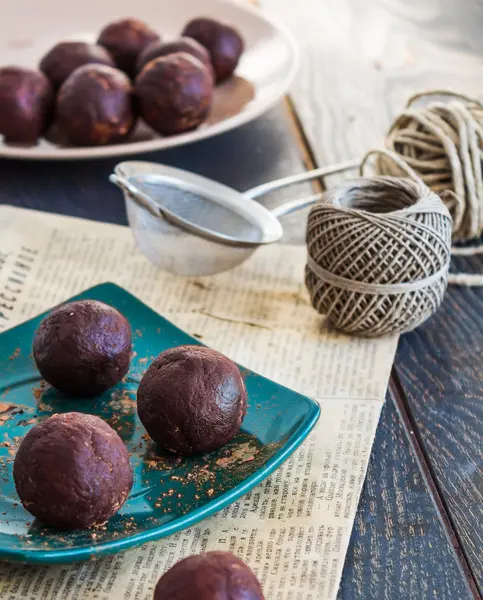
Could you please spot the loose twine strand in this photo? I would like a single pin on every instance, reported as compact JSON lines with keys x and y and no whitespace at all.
{"x":453,"y":204}
{"x":442,"y":142}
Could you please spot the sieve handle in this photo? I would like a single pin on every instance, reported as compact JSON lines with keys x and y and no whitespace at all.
{"x":295,"y":205}
{"x":278,"y":184}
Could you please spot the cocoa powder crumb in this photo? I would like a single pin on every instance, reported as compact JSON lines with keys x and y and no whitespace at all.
{"x":15,"y":354}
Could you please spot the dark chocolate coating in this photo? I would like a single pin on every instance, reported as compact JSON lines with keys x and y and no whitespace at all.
{"x":66,"y":57}
{"x":224,"y":43}
{"x":210,"y":576}
{"x":72,"y":471}
{"x":83,"y":348}
{"x":95,"y":106}
{"x":175,"y":93}
{"x":184,"y":44}
{"x":192,"y":400}
{"x":125,"y":40}
{"x":26,"y":104}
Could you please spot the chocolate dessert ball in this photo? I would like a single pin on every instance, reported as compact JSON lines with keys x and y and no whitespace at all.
{"x":224,"y":43}
{"x":175,"y":93}
{"x":66,"y":57}
{"x":192,"y":400}
{"x":184,"y":44}
{"x":95,"y":106}
{"x":26,"y":102}
{"x":83,"y":348}
{"x":210,"y":576}
{"x":126,"y":39}
{"x":72,"y":471}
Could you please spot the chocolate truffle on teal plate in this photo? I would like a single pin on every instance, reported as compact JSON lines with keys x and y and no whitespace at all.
{"x":192,"y":400}
{"x":72,"y":471}
{"x":83,"y":348}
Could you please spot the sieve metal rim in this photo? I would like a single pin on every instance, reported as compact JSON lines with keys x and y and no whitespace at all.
{"x":225,"y":196}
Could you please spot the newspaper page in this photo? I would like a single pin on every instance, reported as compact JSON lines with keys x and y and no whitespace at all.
{"x":294,"y":528}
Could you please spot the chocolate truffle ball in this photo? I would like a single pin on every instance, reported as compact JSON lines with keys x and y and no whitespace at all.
{"x":83,"y":348}
{"x":175,"y":93}
{"x":26,"y":103}
{"x":223,"y":42}
{"x":66,"y":57}
{"x":184,"y":44}
{"x":72,"y":471}
{"x":192,"y":400}
{"x":125,"y":40}
{"x":95,"y":106}
{"x":210,"y":576}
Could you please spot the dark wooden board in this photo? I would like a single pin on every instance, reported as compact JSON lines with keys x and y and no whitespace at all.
{"x":441,"y":371}
{"x":399,"y":547}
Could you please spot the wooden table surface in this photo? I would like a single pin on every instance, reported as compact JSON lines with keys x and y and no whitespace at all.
{"x":419,"y":527}
{"x":362,"y":60}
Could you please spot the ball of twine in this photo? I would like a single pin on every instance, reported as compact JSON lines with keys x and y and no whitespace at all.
{"x":443,"y":143}
{"x":378,"y":255}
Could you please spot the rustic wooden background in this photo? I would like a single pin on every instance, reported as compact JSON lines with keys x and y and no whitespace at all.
{"x":361,"y":61}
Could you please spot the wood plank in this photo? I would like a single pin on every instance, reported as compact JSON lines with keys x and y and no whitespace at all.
{"x":406,"y":553}
{"x":362,"y":60}
{"x":360,"y":63}
{"x":440,"y":369}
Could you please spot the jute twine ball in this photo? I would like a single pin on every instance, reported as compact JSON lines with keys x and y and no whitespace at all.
{"x":442,"y":141}
{"x":378,"y":255}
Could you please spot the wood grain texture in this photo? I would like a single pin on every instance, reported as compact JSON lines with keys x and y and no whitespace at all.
{"x":361,"y":60}
{"x":405,"y":554}
{"x":440,"y":369}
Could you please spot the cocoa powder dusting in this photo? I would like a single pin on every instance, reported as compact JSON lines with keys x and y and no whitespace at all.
{"x":15,"y":354}
{"x":245,"y":452}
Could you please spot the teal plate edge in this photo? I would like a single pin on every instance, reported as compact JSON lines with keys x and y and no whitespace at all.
{"x":185,"y":521}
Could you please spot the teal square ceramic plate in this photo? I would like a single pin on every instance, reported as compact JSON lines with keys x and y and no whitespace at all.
{"x":169,"y":493}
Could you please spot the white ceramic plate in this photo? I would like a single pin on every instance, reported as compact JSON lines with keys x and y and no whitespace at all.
{"x":28,"y":28}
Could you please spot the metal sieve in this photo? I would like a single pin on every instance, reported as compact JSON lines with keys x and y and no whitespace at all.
{"x":190,"y":225}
